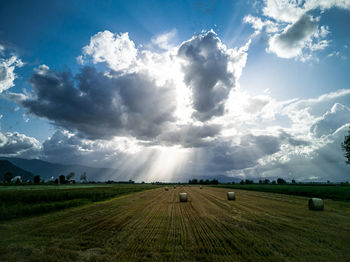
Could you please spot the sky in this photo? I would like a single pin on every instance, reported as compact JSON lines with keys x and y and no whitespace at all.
{"x":172,"y":90}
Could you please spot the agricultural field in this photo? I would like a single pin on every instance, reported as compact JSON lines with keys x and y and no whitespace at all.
{"x":330,"y":191}
{"x":153,"y":225}
{"x":27,"y":200}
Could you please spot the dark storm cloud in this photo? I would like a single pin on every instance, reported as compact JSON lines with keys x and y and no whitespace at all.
{"x":298,"y":32}
{"x":326,"y":162}
{"x":16,"y":144}
{"x":206,"y":69}
{"x":190,"y":135}
{"x":64,"y":147}
{"x":100,"y":106}
{"x":223,"y":157}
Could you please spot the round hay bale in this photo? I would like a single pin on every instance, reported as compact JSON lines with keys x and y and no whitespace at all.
{"x":231,"y":196}
{"x":200,"y":187}
{"x":166,"y":188}
{"x":183,"y":197}
{"x":316,"y":204}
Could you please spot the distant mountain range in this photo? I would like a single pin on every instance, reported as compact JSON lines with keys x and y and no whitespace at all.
{"x":7,"y":166}
{"x":46,"y":170}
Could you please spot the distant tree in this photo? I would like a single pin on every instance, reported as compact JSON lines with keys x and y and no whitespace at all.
{"x":83,"y":177}
{"x":62,"y":179}
{"x":70,"y":176}
{"x":281,"y":181}
{"x":193,"y":181}
{"x":273,"y":182}
{"x":233,"y":182}
{"x":36,"y":179}
{"x":8,"y":176}
{"x":247,"y":181}
{"x":346,"y":147}
{"x":214,"y":181}
{"x":18,"y":181}
{"x":260,"y":181}
{"x":56,"y":181}
{"x":293,"y":181}
{"x":242,"y":182}
{"x":201,"y":181}
{"x":266,"y":181}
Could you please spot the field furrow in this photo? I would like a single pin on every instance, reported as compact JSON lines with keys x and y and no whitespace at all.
{"x":154,"y":226}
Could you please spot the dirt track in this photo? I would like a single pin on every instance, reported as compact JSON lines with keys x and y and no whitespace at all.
{"x":154,"y":225}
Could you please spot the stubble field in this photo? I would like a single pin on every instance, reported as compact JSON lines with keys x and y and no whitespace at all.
{"x":154,"y":226}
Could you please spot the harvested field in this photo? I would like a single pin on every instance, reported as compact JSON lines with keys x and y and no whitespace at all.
{"x":154,"y":226}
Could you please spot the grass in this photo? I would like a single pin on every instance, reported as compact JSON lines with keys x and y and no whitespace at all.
{"x":334,"y":192}
{"x":19,"y":201}
{"x":154,"y":226}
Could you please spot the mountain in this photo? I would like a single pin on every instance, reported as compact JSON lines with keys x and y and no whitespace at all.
{"x":46,"y":170}
{"x":7,"y":166}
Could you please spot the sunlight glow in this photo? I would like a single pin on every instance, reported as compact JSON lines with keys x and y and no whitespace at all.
{"x":168,"y":165}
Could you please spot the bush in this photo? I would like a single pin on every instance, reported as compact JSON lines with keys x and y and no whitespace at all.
{"x":62,"y":179}
{"x":36,"y":179}
{"x":8,"y":176}
{"x":281,"y":181}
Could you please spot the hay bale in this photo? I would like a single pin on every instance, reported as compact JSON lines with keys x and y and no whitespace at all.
{"x":183,"y":197}
{"x":316,"y":204}
{"x":231,"y":196}
{"x":200,"y":187}
{"x":166,"y":188}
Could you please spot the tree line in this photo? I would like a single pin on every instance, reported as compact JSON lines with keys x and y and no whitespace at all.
{"x":62,"y":179}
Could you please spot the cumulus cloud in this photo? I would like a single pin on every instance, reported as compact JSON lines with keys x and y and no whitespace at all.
{"x":19,"y":145}
{"x":130,"y":115}
{"x":209,"y":72}
{"x":290,"y":11}
{"x":333,"y":119}
{"x":291,"y":42}
{"x":325,"y":161}
{"x":151,"y":101}
{"x":225,"y":157}
{"x":116,"y":50}
{"x":100,"y":106}
{"x":190,"y":135}
{"x":291,"y":27}
{"x":68,"y":148}
{"x":308,"y":142}
{"x":7,"y":68}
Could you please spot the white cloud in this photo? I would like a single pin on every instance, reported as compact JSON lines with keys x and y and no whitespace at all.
{"x":291,"y":42}
{"x":134,"y":120}
{"x":292,"y":31}
{"x":164,"y":41}
{"x":290,"y":11}
{"x":18,"y":145}
{"x":116,"y":50}
{"x":7,"y":74}
{"x":333,"y":119}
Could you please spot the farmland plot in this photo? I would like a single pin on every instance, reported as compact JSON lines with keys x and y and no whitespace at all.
{"x":154,"y":226}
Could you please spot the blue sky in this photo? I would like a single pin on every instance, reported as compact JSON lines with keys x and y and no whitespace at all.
{"x":246,"y":89}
